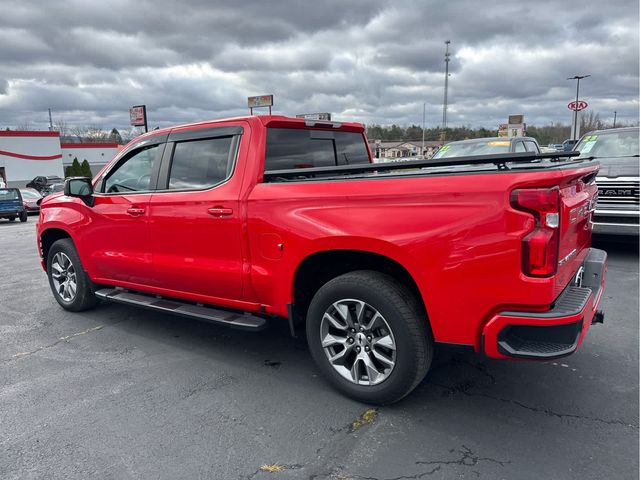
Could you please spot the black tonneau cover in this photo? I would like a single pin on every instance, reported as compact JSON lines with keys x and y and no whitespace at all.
{"x":500,"y":160}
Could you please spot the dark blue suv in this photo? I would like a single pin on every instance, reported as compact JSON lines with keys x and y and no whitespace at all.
{"x":11,"y":205}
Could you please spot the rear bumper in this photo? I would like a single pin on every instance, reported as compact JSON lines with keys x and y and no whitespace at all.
{"x":616,"y":222}
{"x":611,"y":228}
{"x":11,"y":212}
{"x":556,"y":332}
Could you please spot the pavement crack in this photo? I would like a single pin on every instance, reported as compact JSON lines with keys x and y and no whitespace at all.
{"x":464,"y":389}
{"x":467,"y":459}
{"x":66,"y":338}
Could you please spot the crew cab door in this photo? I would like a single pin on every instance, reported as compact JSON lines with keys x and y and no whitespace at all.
{"x":195,"y":215}
{"x":118,"y":240}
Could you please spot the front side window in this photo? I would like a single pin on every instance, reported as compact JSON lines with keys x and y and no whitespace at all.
{"x":199,"y":164}
{"x":519,"y":147}
{"x":289,"y":148}
{"x":134,"y":174}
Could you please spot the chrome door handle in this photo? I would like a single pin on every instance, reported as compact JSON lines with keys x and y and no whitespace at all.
{"x":135,"y":211}
{"x":220,"y":211}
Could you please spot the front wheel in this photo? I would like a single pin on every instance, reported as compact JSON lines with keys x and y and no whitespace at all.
{"x":23,"y":216}
{"x":369,"y":336}
{"x":70,"y":284}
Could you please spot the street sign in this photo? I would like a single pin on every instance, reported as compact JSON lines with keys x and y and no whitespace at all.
{"x":580,"y":105}
{"x":138,"y":115}
{"x":315,"y":116}
{"x":260,"y":101}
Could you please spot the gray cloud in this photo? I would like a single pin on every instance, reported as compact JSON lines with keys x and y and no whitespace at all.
{"x":364,"y":60}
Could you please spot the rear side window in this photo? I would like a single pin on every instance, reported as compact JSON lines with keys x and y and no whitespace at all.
{"x":200,"y":164}
{"x":532,"y":147}
{"x":296,"y":148}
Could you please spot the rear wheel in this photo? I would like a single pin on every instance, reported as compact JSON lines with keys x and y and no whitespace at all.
{"x":369,"y":336}
{"x":12,"y":219}
{"x":70,"y":284}
{"x":23,"y":216}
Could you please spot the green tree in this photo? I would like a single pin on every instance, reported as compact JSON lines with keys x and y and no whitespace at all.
{"x":76,"y":169}
{"x":115,"y":136}
{"x":85,"y":169}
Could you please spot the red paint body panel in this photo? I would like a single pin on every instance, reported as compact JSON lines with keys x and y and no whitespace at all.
{"x":457,"y":236}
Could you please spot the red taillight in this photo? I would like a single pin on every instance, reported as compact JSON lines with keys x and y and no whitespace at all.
{"x":540,"y":247}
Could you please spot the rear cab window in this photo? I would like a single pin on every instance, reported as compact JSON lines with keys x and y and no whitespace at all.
{"x":9,"y":194}
{"x":289,"y":148}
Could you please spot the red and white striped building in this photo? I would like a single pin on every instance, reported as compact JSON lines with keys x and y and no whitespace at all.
{"x":28,"y":154}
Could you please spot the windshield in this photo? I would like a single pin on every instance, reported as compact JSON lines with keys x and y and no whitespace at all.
{"x":8,"y":194}
{"x":463,"y":149}
{"x":614,"y":144}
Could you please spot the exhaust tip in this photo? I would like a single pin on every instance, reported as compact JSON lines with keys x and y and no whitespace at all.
{"x":598,"y":317}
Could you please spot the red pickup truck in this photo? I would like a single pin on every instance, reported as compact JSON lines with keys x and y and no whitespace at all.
{"x":244,"y":220}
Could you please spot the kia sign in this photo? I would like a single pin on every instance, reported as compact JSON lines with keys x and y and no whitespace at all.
{"x":138,"y":116}
{"x":581,"y":105}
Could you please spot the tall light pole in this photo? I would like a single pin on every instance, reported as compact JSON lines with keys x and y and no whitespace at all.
{"x":424,"y":116}
{"x":615,"y":115}
{"x":447,"y":56}
{"x":574,"y":133}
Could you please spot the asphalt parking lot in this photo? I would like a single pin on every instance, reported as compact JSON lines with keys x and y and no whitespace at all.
{"x":119,"y":393}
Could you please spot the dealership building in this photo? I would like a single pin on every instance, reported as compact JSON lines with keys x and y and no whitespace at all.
{"x":25,"y":155}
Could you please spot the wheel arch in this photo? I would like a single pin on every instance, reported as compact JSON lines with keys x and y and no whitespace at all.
{"x":47,"y":238}
{"x":318,"y":268}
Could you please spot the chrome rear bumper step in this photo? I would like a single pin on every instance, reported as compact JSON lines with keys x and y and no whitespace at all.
{"x":244,"y":321}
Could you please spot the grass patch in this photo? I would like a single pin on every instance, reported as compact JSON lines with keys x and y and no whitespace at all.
{"x":368,"y":416}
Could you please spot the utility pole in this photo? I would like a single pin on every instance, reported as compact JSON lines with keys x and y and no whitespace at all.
{"x":574,"y":133}
{"x":50,"y":121}
{"x":447,"y":56}
{"x":424,"y":115}
{"x":615,"y":114}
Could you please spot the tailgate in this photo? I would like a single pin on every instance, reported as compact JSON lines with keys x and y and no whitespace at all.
{"x":578,"y":196}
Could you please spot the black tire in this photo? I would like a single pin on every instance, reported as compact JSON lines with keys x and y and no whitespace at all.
{"x":23,"y":216}
{"x":12,"y":219}
{"x":84,"y":297}
{"x":405,"y":317}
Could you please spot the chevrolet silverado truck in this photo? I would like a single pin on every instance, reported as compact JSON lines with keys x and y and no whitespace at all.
{"x":269,"y":218}
{"x":618,"y":208}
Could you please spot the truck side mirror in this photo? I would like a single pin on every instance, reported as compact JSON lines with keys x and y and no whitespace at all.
{"x":80,"y":187}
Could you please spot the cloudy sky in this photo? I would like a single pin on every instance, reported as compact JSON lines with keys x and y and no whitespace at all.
{"x":371,"y":61}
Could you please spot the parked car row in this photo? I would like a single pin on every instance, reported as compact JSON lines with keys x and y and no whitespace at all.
{"x":11,"y":205}
{"x":617,"y":150}
{"x":618,"y":206}
{"x":46,"y":185}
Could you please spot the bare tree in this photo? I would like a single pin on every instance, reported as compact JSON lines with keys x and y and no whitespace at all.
{"x":61,"y":127}
{"x":591,"y":121}
{"x":90,"y":134}
{"x":24,"y":125}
